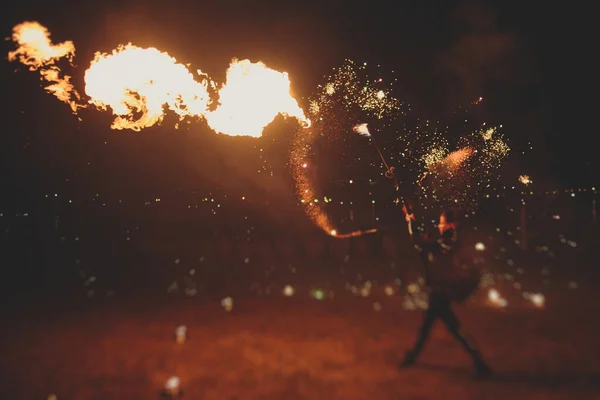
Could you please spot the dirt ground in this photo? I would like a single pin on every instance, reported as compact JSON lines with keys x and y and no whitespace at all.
{"x":277,"y":347}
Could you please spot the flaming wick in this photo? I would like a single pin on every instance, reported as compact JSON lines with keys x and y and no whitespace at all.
{"x":363,"y":130}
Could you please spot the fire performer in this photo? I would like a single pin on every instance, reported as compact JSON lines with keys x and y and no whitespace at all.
{"x":439,"y":254}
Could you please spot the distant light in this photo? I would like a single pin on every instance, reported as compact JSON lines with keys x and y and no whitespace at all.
{"x":227,"y":303}
{"x":538,"y":299}
{"x":180,"y":334}
{"x":572,"y":285}
{"x":479,"y":246}
{"x":173,"y":383}
{"x":288,"y":291}
{"x":495,"y":298}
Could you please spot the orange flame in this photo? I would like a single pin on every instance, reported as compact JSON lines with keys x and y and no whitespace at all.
{"x":135,"y":81}
{"x":35,"y":50}
{"x":139,"y":84}
{"x":456,"y":158}
{"x":252,"y":96}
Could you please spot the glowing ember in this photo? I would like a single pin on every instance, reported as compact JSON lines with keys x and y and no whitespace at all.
{"x":488,"y":133}
{"x":525,"y":180}
{"x":434,"y":157}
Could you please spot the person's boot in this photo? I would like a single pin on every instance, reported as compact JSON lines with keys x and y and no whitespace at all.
{"x":409,"y":359}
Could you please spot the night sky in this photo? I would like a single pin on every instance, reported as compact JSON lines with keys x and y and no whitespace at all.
{"x":528,"y":61}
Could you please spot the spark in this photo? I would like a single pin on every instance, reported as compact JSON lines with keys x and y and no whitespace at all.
{"x":345,"y":97}
{"x":525,"y":180}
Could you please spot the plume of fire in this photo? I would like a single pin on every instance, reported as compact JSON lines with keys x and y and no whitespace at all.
{"x":139,"y":84}
{"x":252,"y":96}
{"x":36,"y":50}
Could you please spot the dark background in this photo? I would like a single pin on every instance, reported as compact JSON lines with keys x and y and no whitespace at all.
{"x":530,"y":61}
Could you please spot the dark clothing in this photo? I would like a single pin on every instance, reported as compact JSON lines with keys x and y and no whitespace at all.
{"x":440,"y":307}
{"x":445,"y":270}
{"x":439,"y":255}
{"x":440,"y":259}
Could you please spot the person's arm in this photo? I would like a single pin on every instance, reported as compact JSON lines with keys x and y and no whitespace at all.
{"x":409,"y":216}
{"x":421,"y":243}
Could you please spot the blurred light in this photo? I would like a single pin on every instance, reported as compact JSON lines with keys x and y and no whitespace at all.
{"x":181,"y":334}
{"x":172,"y":385}
{"x":227,"y":303}
{"x":288,"y":291}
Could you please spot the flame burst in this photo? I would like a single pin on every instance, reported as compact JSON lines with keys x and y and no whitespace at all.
{"x":252,"y":96}
{"x":35,"y":50}
{"x":139,"y":85}
{"x":133,"y":81}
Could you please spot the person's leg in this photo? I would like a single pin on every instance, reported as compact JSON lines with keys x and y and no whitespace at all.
{"x":430,"y":315}
{"x":451,"y":321}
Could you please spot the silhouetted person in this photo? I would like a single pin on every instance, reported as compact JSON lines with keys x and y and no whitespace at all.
{"x":438,"y":254}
